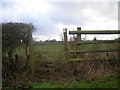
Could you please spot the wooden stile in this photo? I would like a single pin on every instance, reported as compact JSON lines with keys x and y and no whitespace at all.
{"x":79,"y":42}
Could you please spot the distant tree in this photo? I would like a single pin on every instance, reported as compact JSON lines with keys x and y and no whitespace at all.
{"x":40,"y":41}
{"x":53,"y":40}
{"x":74,"y":38}
{"x":117,"y":39}
{"x":47,"y":41}
{"x":94,"y":39}
{"x":61,"y":36}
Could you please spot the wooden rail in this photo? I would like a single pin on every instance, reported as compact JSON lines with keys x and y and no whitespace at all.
{"x":78,"y":52}
{"x":97,"y":42}
{"x":89,"y":59}
{"x":96,"y":32}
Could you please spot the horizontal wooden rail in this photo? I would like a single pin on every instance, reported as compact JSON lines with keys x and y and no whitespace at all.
{"x":82,"y":59}
{"x":78,"y":52}
{"x":97,"y":42}
{"x":96,"y":32}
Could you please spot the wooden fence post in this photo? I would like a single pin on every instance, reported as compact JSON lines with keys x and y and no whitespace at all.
{"x":31,"y":52}
{"x":66,"y":43}
{"x":78,"y":35}
{"x":1,"y":56}
{"x":78,"y":40}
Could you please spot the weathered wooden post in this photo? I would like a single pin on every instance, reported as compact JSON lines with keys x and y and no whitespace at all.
{"x":78,"y":35}
{"x":66,"y":43}
{"x":31,"y":52}
{"x":78,"y":40}
{"x":1,"y":56}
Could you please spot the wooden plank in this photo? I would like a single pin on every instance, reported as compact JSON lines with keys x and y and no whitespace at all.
{"x":97,"y":42}
{"x":96,"y":32}
{"x":78,"y":52}
{"x":82,"y":59}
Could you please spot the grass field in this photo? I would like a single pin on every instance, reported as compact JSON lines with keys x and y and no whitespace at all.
{"x":52,"y":50}
{"x":56,"y":50}
{"x":103,"y":83}
{"x":50,"y":47}
{"x":102,"y":46}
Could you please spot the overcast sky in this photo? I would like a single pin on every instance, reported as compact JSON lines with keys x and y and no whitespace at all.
{"x":51,"y":17}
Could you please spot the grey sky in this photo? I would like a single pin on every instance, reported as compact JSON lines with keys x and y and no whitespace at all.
{"x":50,"y":18}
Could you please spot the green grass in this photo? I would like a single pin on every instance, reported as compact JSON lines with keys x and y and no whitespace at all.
{"x":107,"y":84}
{"x":56,"y":56}
{"x":52,"y":49}
{"x":49,"y":48}
{"x":104,"y":83}
{"x":21,"y":52}
{"x":104,"y":46}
